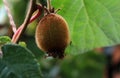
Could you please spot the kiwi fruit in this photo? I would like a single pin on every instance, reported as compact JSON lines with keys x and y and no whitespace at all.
{"x":52,"y":34}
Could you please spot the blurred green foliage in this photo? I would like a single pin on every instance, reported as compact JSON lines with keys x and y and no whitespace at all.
{"x":0,"y":2}
{"x":88,"y":65}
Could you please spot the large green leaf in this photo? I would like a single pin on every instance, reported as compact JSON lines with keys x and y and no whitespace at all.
{"x":18,"y":62}
{"x":92,"y":23}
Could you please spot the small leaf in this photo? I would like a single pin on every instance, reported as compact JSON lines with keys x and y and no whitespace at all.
{"x":4,"y":39}
{"x":18,"y":62}
{"x":23,"y":44}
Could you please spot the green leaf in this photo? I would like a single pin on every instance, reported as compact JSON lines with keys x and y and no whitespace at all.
{"x":92,"y":23}
{"x":18,"y":62}
{"x":4,"y":39}
{"x":23,"y":44}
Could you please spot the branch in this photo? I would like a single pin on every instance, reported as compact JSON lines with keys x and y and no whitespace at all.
{"x":39,"y":11}
{"x":32,"y":8}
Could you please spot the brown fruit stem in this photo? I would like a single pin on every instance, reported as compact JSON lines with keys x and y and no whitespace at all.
{"x":49,"y":8}
{"x":47,"y":11}
{"x":49,"y":5}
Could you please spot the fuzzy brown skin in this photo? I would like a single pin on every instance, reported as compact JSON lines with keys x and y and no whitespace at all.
{"x":52,"y":35}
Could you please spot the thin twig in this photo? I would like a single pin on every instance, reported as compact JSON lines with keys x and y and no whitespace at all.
{"x":12,"y":23}
{"x":49,"y":5}
{"x":57,"y":10}
{"x":29,"y":13}
{"x":39,"y":11}
{"x":32,"y":8}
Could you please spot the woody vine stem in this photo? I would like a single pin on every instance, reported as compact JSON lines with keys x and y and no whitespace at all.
{"x":28,"y":19}
{"x":23,"y":27}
